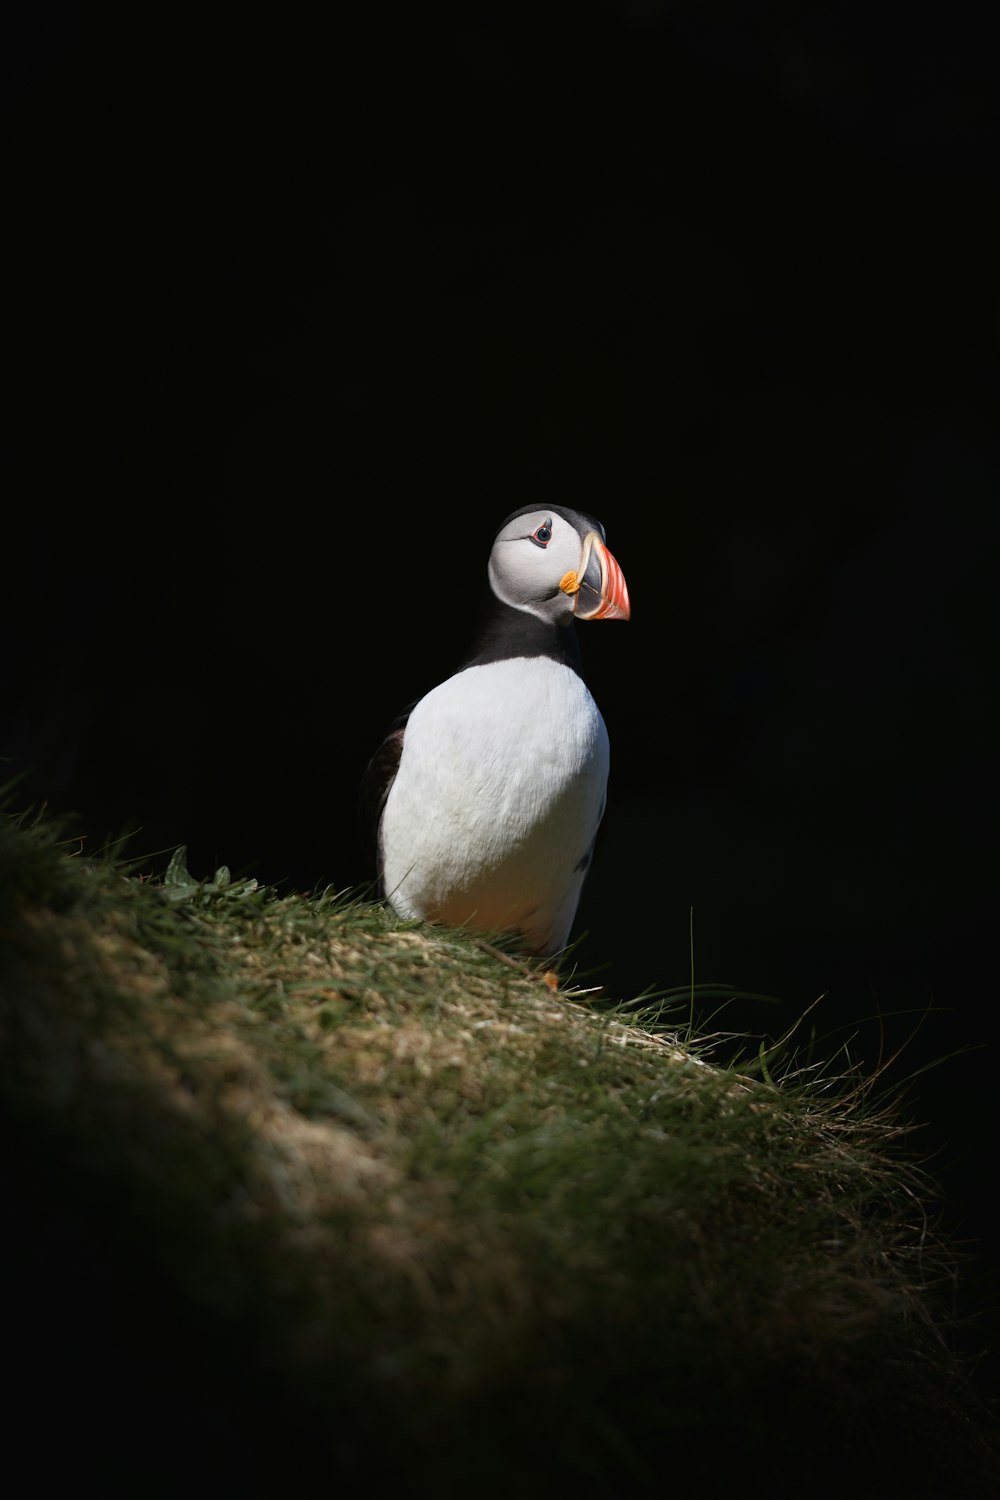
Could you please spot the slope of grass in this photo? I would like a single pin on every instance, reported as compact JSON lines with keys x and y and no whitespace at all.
{"x":303,"y":1193}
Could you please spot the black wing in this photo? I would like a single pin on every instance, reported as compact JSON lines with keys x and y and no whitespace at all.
{"x":376,"y":783}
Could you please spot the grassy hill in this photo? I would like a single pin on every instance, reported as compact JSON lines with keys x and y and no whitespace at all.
{"x":298,"y":1193}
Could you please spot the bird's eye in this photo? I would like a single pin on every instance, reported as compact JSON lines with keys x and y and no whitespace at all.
{"x":542,"y":535}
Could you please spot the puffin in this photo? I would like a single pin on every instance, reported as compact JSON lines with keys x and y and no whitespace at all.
{"x":483,"y":801}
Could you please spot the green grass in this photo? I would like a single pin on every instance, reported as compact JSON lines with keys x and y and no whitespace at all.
{"x":360,"y":1200}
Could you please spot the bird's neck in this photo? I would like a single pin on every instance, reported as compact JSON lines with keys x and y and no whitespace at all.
{"x":508,"y":632}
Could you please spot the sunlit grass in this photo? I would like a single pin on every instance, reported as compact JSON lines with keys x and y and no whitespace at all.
{"x":543,"y":1238}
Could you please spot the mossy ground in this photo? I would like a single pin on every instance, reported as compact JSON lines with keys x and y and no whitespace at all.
{"x":300,"y":1191}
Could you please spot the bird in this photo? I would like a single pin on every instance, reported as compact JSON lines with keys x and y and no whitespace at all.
{"x":483,"y":801}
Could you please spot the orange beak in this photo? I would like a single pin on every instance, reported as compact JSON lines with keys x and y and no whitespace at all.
{"x":600,"y":587}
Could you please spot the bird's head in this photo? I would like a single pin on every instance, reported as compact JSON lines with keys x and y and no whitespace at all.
{"x":553,"y":562}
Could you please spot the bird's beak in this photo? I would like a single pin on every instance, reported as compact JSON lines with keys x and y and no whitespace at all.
{"x":599,"y":586}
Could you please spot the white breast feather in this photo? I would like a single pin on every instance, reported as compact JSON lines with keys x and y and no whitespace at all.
{"x":497,"y":799}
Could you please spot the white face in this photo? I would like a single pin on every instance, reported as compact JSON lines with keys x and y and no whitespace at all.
{"x":530,"y":556}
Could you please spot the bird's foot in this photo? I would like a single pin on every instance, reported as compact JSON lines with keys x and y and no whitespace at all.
{"x":548,"y":977}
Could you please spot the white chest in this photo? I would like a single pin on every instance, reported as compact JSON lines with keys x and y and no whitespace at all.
{"x":498,"y":795}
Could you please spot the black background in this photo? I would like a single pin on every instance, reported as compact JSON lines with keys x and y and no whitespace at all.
{"x":302,"y":307}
